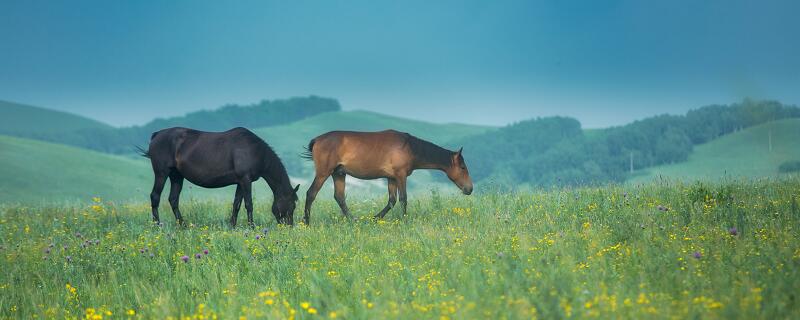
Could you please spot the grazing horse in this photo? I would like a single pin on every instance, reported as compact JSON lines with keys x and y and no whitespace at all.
{"x":372,"y":155}
{"x":215,"y":160}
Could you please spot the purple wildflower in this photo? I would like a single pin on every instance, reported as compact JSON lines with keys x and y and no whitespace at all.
{"x":198,"y":256}
{"x":47,"y":250}
{"x":266,"y":230}
{"x":185,"y":258}
{"x":96,"y":241}
{"x":141,"y":251}
{"x":733,"y":231}
{"x":69,"y":258}
{"x":66,"y":247}
{"x":78,"y":234}
{"x":152,"y":255}
{"x":205,"y":251}
{"x":258,"y":236}
{"x":697,"y":255}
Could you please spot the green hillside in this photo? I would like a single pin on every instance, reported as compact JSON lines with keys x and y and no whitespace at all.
{"x":294,"y":137}
{"x":41,"y":172}
{"x":24,"y":120}
{"x":741,"y":154}
{"x":36,"y":171}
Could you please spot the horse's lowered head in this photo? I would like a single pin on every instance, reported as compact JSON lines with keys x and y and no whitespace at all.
{"x":283,"y":206}
{"x":458,"y":172}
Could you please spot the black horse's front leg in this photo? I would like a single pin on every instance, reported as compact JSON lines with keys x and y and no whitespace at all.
{"x":237,"y":204}
{"x":248,"y":201}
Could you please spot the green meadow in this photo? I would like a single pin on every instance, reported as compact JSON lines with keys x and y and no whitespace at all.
{"x":668,"y":250}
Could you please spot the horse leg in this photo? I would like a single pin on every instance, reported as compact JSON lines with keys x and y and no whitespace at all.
{"x":248,"y":200}
{"x":401,"y":188}
{"x":338,"y":194}
{"x":392,"y":198}
{"x":237,"y":204}
{"x":176,"y":184}
{"x":155,"y":195}
{"x":319,"y":180}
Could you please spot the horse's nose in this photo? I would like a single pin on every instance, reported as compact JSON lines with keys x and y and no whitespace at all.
{"x":467,"y":190}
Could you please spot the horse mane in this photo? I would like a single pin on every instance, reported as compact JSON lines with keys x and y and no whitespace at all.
{"x":428,"y":152}
{"x":275,"y":171}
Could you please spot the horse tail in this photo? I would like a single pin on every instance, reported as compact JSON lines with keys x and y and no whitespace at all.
{"x":142,"y":152}
{"x":309,"y":153}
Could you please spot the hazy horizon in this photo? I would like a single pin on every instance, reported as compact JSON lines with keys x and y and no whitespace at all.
{"x":469,"y":62}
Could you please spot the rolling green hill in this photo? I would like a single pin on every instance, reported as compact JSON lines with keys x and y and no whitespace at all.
{"x":41,"y":172}
{"x":294,"y":137}
{"x":36,"y":171}
{"x":741,"y":154}
{"x":29,"y":121}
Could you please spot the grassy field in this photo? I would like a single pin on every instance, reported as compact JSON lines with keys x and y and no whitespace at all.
{"x":741,"y":154}
{"x":652,"y":251}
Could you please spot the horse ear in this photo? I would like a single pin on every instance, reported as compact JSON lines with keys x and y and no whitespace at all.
{"x":296,"y":188}
{"x":459,"y":150}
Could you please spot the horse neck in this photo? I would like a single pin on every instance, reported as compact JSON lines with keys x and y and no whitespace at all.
{"x":430,"y":156}
{"x":277,"y":179}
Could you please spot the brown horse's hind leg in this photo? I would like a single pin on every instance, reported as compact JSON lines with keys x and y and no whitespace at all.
{"x":338,"y":193}
{"x":401,"y":189}
{"x":176,"y":184}
{"x":392,"y":198}
{"x":319,"y":180}
{"x":155,"y":195}
{"x":237,"y":204}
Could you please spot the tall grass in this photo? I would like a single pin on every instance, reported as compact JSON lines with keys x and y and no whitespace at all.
{"x":669,"y":250}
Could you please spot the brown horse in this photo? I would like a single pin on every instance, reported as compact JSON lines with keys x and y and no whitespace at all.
{"x":372,"y":155}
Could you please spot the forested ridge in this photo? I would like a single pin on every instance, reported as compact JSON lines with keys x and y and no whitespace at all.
{"x":122,"y":140}
{"x":557,"y":151}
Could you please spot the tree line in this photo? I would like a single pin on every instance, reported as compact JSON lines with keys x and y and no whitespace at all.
{"x":557,"y":151}
{"x":261,"y":114}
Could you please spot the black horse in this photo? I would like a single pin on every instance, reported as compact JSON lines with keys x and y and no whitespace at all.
{"x":215,"y":160}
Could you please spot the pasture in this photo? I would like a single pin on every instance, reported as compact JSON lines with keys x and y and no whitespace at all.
{"x":729,"y":249}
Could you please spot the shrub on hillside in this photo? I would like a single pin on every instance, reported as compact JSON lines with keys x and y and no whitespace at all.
{"x":789,"y":166}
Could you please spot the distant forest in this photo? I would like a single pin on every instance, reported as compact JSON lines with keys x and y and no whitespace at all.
{"x":263,"y":114}
{"x":556,"y":151}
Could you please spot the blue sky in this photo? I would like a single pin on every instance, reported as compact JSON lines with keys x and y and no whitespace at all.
{"x":487,"y":62}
